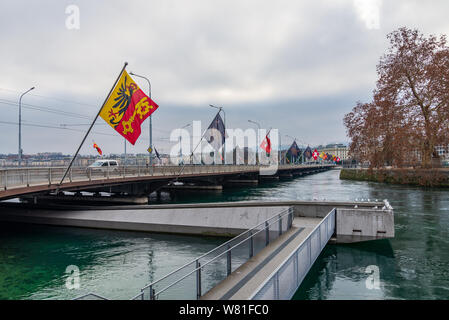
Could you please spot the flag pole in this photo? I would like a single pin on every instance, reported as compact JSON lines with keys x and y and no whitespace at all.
{"x":184,"y":164}
{"x":90,"y":128}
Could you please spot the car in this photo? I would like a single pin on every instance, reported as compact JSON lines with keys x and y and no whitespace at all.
{"x":104,"y":165}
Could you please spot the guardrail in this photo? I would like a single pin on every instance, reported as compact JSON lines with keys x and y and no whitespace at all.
{"x":197,"y":277}
{"x":90,"y":296}
{"x":285,"y":280}
{"x":25,"y":177}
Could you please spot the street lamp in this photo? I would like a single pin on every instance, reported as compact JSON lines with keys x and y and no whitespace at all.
{"x":280,"y":147}
{"x":180,"y":144}
{"x":151,"y":122}
{"x":20,"y":126}
{"x":224,"y":116}
{"x":257,"y":138}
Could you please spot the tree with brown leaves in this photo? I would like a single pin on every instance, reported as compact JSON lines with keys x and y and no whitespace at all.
{"x":409,"y":114}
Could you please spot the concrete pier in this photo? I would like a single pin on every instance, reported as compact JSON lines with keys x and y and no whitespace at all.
{"x":211,"y":188}
{"x":355,"y":221}
{"x":228,"y":222}
{"x":241,"y":183}
{"x":275,"y":271}
{"x":269,"y":178}
{"x":87,"y":200}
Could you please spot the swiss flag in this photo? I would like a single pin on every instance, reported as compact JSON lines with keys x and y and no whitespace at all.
{"x":315,"y":154}
{"x":266,"y":144}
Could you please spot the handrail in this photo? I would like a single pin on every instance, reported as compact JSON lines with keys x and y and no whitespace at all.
{"x":90,"y":294}
{"x":265,"y":224}
{"x":216,"y":248}
{"x":40,"y":176}
{"x":214,"y":258}
{"x":171,"y":166}
{"x":295,"y":251}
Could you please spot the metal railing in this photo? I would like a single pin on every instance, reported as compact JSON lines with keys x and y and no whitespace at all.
{"x":25,"y":177}
{"x":90,"y":296}
{"x":285,"y":280}
{"x":197,"y":277}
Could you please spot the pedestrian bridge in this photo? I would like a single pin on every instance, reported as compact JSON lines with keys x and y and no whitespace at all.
{"x":274,"y":244}
{"x":139,"y":180}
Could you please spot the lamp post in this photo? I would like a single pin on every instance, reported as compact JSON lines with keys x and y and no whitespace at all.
{"x":224,"y":116}
{"x":151,"y":122}
{"x":180,"y":144}
{"x":280,"y":147}
{"x":20,"y":126}
{"x":124,"y":162}
{"x":257,"y":138}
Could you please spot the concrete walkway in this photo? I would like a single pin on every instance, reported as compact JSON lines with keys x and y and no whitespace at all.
{"x":244,"y":281}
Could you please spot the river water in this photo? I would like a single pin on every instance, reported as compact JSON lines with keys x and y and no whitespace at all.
{"x":413,"y":265}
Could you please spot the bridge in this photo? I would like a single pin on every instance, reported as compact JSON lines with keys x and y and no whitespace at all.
{"x":274,"y":244}
{"x":140,"y":180}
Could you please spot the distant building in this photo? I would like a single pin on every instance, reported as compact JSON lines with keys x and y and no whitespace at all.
{"x":338,"y":150}
{"x":442,"y":151}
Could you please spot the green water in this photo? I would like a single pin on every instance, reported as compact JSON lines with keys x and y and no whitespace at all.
{"x":114,"y":264}
{"x":413,"y":265}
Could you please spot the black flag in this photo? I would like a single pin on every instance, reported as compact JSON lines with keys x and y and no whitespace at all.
{"x":157,"y":154}
{"x":308,"y":153}
{"x":216,"y":134}
{"x":293,"y":152}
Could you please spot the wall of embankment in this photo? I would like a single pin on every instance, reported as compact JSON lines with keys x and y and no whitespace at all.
{"x":417,"y":177}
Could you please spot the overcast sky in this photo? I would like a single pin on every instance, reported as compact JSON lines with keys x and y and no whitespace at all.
{"x":298,"y":66}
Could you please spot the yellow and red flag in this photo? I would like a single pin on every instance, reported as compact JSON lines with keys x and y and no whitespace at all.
{"x":127,"y":107}
{"x":98,"y":149}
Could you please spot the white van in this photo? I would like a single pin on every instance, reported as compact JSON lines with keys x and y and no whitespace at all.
{"x":104,"y":165}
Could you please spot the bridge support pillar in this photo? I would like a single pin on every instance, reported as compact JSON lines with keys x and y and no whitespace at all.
{"x":241,"y":182}
{"x":268,"y":178}
{"x":285,"y":176}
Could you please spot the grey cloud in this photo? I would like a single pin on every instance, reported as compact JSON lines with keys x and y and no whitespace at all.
{"x":309,"y":61}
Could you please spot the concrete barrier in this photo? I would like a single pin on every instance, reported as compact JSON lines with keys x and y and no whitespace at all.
{"x":204,"y":221}
{"x":355,"y":221}
{"x":363,"y":224}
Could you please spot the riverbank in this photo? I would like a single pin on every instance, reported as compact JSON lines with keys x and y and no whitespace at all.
{"x":414,"y":177}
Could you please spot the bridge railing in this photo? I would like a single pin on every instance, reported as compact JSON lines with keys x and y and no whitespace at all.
{"x":90,"y":296}
{"x":25,"y":177}
{"x":284,"y":281}
{"x":197,"y":277}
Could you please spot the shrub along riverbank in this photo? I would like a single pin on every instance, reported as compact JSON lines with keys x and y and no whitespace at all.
{"x":417,"y":177}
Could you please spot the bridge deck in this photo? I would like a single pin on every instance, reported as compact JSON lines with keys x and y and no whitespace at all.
{"x":17,"y":182}
{"x":244,"y":281}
